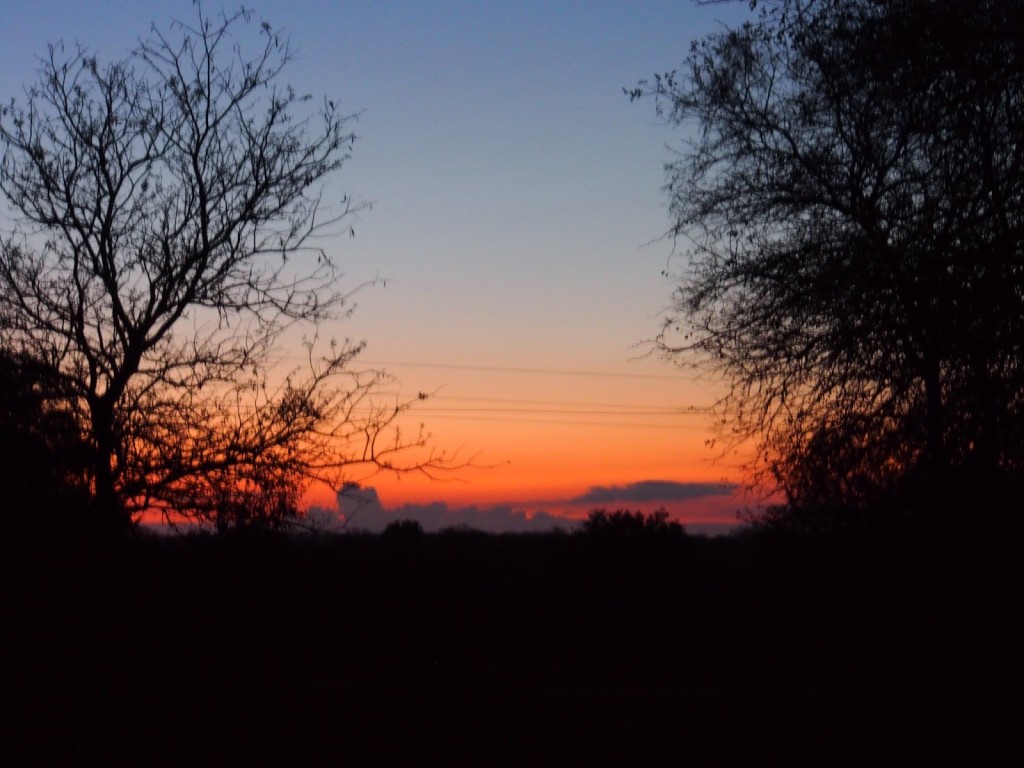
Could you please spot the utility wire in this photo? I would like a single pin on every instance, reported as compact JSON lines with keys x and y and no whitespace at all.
{"x":669,"y":409}
{"x":520,"y":370}
{"x":573,"y":423}
{"x":633,"y":408}
{"x":557,"y":411}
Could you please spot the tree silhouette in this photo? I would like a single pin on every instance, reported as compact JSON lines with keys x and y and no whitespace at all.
{"x":853,"y":197}
{"x":44,"y":458}
{"x":167,"y":203}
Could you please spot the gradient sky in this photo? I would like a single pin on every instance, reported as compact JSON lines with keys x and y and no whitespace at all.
{"x":517,"y":207}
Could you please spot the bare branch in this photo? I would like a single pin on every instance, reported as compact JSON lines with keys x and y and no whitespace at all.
{"x":169,"y":203}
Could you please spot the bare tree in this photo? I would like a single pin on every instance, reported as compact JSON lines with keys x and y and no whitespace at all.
{"x":853,"y":196}
{"x":166,"y":206}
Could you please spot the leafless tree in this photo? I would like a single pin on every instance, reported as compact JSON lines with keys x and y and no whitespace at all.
{"x":166,"y":208}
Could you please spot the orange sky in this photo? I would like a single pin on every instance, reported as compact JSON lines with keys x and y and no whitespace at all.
{"x":538,"y":438}
{"x":517,"y":208}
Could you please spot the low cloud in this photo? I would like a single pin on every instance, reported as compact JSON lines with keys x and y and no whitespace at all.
{"x":703,"y":507}
{"x":653,"y":490}
{"x":361,"y":510}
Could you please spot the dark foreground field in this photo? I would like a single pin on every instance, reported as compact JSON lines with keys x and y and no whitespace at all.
{"x":543,"y":650}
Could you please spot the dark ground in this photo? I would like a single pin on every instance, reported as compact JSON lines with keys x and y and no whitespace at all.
{"x":465,"y":649}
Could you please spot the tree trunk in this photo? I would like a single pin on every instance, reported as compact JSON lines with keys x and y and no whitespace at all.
{"x":108,"y":508}
{"x":935,"y":426}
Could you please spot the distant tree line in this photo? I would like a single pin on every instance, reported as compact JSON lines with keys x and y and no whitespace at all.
{"x":619,"y":525}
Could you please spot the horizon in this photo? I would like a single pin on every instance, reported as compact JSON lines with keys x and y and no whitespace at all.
{"x":514,"y":249}
{"x":703,"y":508}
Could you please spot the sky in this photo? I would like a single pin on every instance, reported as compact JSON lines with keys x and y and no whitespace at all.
{"x":514,"y":234}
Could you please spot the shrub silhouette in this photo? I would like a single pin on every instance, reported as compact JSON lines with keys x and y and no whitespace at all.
{"x":464,"y":530}
{"x":43,"y":455}
{"x":623,"y":523}
{"x":403,"y":530}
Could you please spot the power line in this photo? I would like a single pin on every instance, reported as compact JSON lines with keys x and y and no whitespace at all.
{"x":520,"y":370}
{"x":573,"y":423}
{"x":517,"y":404}
{"x":668,"y":417}
{"x":667,"y":409}
{"x":557,"y":411}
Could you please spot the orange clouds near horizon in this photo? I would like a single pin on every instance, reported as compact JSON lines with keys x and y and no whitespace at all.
{"x":702,"y":507}
{"x":541,"y":439}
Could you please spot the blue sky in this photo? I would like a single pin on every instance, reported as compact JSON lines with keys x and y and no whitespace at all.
{"x":516,"y":193}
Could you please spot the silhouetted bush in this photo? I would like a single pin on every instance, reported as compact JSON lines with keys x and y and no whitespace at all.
{"x":805,"y":519}
{"x":463,"y":530}
{"x":43,"y":455}
{"x":403,"y":530}
{"x":625,"y":524}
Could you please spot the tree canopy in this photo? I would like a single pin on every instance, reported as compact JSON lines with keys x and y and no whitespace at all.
{"x":851,"y":199}
{"x":165,"y":207}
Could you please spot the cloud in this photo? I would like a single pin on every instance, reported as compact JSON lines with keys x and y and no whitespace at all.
{"x":708,"y":508}
{"x":653,"y":490}
{"x":364,"y":511}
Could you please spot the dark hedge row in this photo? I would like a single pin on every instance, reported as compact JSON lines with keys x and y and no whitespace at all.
{"x":483,"y":650}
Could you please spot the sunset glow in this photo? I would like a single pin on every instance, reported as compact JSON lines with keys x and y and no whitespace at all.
{"x":512,"y":256}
